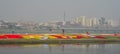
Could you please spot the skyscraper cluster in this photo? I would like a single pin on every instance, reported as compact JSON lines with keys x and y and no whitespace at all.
{"x":91,"y":22}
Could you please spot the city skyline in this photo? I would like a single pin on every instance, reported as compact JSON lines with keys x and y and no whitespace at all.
{"x":79,"y":21}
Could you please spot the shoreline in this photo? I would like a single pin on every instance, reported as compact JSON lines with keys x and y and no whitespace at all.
{"x":57,"y":41}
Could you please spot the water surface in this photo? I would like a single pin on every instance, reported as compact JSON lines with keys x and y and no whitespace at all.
{"x":61,"y":49}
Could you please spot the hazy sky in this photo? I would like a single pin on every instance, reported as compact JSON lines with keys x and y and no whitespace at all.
{"x":47,"y":10}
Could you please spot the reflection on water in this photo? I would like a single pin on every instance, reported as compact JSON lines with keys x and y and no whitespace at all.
{"x":52,"y":45}
{"x":60,"y":49}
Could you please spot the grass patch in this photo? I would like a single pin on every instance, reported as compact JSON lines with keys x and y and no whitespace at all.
{"x":58,"y":41}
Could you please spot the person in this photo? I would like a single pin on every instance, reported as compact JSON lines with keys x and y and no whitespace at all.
{"x":87,"y":33}
{"x":50,"y":29}
{"x":13,"y":32}
{"x":63,"y":31}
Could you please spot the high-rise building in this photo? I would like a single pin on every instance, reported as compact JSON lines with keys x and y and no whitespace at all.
{"x":88,"y":22}
{"x":91,"y":22}
{"x":94,"y":21}
{"x":102,"y":21}
{"x":76,"y":20}
{"x":83,"y":20}
{"x":110,"y":22}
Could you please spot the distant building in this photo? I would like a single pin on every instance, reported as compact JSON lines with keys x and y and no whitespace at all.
{"x":94,"y":22}
{"x":83,"y":20}
{"x":102,"y":21}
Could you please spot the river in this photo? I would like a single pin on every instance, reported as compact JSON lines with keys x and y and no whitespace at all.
{"x":60,"y":49}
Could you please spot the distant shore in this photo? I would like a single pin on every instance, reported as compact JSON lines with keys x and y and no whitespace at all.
{"x":60,"y":41}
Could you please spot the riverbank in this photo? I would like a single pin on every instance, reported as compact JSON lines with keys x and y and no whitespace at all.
{"x":58,"y":38}
{"x":55,"y":41}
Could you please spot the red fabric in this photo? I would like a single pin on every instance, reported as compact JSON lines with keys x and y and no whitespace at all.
{"x":116,"y":34}
{"x":68,"y":37}
{"x":79,"y":37}
{"x":58,"y":36}
{"x":102,"y":37}
{"x":2,"y":37}
{"x":13,"y":36}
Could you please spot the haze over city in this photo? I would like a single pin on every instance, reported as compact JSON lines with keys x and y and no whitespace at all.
{"x":53,"y":10}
